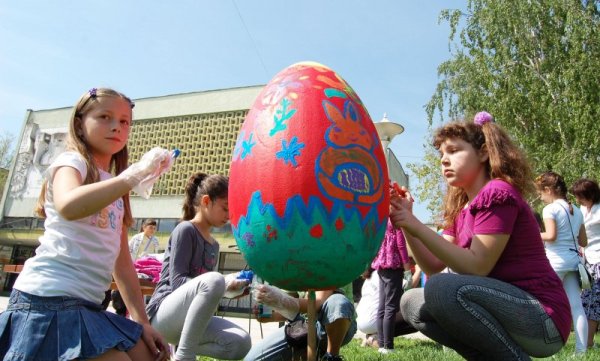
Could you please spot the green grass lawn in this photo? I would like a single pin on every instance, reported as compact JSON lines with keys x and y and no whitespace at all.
{"x":425,"y":350}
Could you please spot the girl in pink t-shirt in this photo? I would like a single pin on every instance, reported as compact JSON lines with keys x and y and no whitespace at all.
{"x":498,"y":298}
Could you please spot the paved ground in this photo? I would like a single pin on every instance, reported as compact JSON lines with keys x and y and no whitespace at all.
{"x":257,"y":330}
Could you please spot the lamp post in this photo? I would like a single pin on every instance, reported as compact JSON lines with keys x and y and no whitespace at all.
{"x":387,"y":130}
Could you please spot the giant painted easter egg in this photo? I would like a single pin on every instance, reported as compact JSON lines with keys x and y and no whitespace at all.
{"x":308,"y":188}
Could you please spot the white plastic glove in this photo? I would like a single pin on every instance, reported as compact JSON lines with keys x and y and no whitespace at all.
{"x":142,"y":175}
{"x":407,"y":280}
{"x":234,"y":287}
{"x":281,"y":302}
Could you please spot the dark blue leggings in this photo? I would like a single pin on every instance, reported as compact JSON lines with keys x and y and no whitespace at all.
{"x":390,"y":292}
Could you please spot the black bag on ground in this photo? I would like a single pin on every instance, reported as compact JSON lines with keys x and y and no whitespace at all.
{"x":296,"y":333}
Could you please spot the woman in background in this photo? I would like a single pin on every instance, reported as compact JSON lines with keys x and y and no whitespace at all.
{"x":587,"y":194}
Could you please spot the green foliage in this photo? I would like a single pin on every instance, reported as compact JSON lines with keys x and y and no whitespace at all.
{"x":6,"y":141}
{"x":534,"y":66}
{"x":431,"y":185}
{"x":6,"y":153}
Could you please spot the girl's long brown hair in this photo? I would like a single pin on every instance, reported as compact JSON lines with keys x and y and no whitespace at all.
{"x":505,"y":160}
{"x":76,"y":143}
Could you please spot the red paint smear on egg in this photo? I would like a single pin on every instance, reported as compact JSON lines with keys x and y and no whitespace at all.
{"x":339,"y":224}
{"x":316,"y":231}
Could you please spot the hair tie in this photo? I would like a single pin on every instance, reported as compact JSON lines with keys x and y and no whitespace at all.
{"x":483,"y":117}
{"x":93,"y":92}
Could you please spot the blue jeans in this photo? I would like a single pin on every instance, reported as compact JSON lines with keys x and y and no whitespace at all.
{"x":61,"y":328}
{"x":481,"y":318}
{"x":274,"y":347}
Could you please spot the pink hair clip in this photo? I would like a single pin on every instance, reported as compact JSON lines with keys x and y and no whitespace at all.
{"x":483,"y":117}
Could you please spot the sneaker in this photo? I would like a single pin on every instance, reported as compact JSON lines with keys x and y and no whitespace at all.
{"x":330,"y":357}
{"x":385,"y":351}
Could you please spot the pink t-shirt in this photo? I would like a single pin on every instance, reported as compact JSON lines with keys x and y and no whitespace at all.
{"x":393,"y":253}
{"x":499,"y":208}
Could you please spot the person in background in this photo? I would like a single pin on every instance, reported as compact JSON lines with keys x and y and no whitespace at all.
{"x":564,"y":234}
{"x":368,"y":307}
{"x":587,"y":194}
{"x":145,"y":242}
{"x":335,"y":323}
{"x":501,"y":299}
{"x":189,"y":290}
{"x":393,"y":267}
{"x":54,"y":311}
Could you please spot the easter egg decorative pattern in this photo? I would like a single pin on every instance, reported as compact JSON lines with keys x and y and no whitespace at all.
{"x":308,"y":183}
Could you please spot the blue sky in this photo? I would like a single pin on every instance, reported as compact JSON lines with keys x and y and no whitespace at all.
{"x":388,"y":51}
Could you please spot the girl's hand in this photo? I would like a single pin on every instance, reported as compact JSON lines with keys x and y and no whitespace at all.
{"x":396,"y":190}
{"x":155,"y":343}
{"x":154,"y":163}
{"x":272,"y":296}
{"x":235,"y":287}
{"x":401,"y":213}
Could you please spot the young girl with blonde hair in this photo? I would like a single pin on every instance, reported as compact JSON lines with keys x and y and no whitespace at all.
{"x":54,"y":311}
{"x":500,"y":299}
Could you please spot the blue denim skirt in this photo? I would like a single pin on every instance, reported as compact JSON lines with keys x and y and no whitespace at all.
{"x":61,"y":328}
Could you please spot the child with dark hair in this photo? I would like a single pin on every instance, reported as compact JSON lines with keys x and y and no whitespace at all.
{"x":145,"y":242}
{"x":189,"y":291}
{"x":587,"y":194}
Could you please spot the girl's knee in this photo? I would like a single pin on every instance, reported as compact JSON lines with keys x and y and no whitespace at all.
{"x":236,"y":345}
{"x":241,"y":347}
{"x":410,"y":304}
{"x":212,"y":282}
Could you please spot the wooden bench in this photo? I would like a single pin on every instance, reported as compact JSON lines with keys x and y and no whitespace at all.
{"x":146,"y":286}
{"x":13,"y":268}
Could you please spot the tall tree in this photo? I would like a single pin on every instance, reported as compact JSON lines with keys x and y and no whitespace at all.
{"x":534,"y":65}
{"x":431,"y":185}
{"x":6,"y":154}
